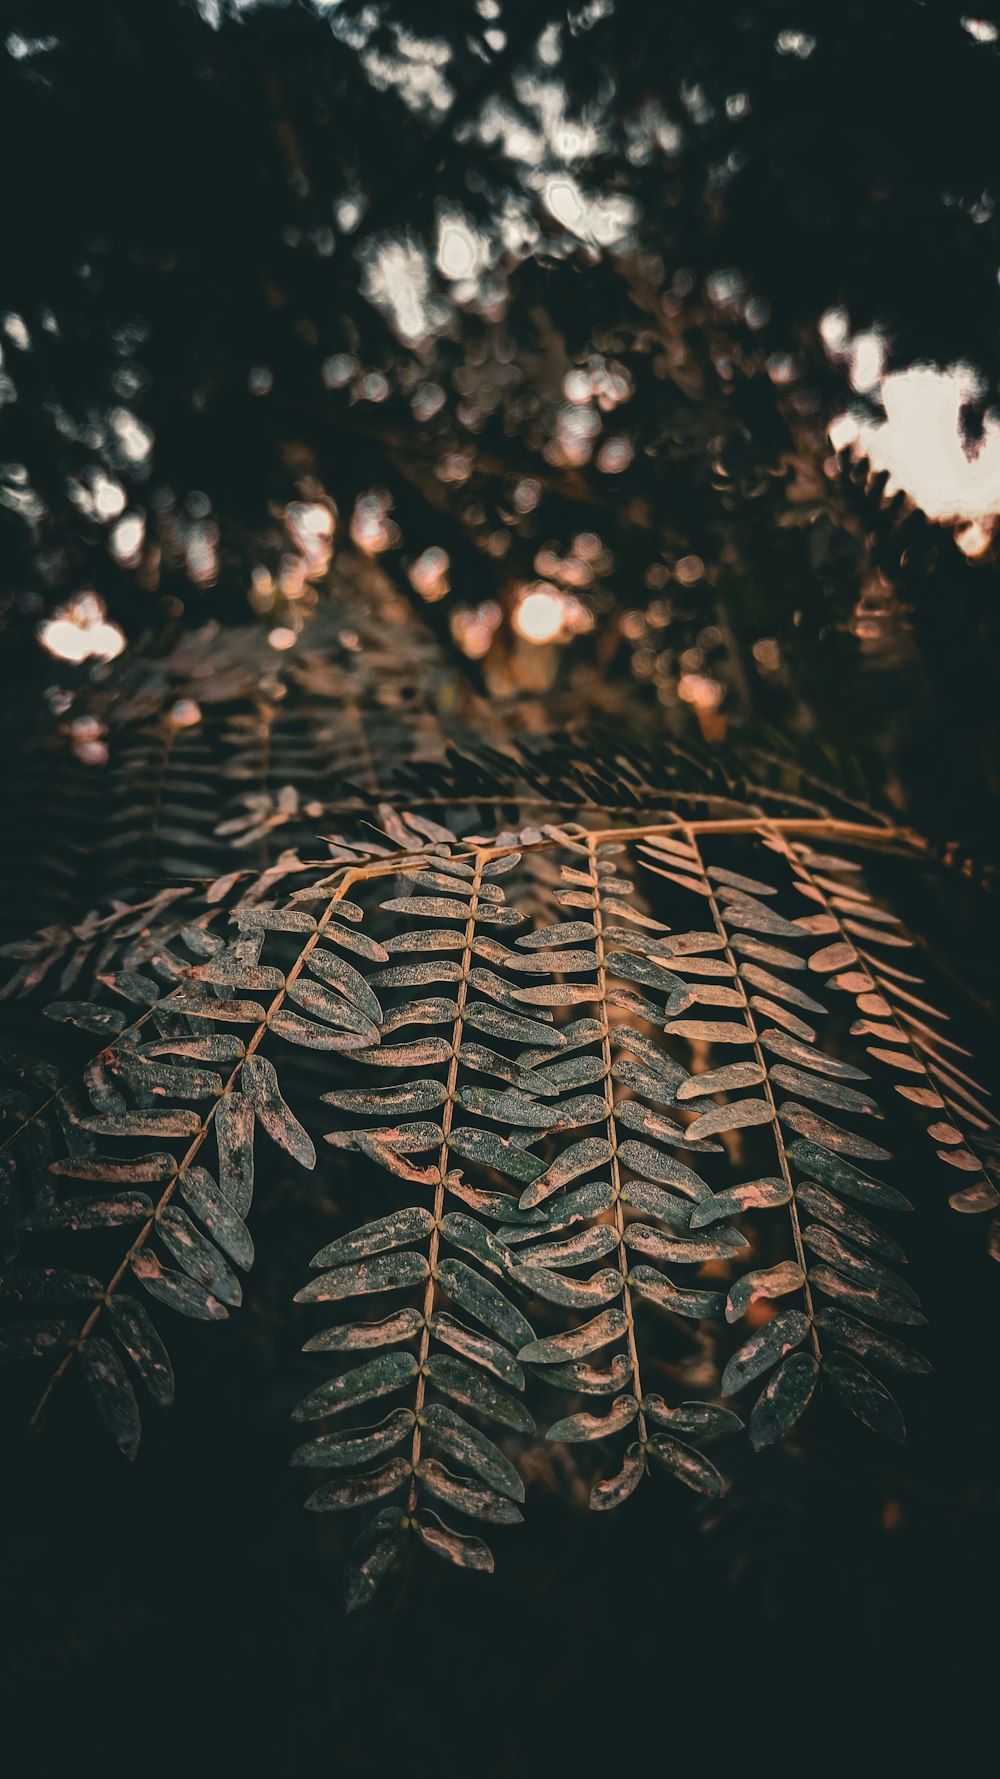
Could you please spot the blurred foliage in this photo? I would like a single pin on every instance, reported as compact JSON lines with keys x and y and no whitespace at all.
{"x":532,"y":298}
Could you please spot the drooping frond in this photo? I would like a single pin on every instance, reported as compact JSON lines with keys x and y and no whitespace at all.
{"x":603,"y":1154}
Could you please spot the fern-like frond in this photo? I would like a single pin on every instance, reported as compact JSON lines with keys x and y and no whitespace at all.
{"x":900,"y":1028}
{"x":447,"y":1260}
{"x":186,"y":1223}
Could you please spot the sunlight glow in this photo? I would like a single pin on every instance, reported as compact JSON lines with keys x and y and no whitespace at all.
{"x":920,"y":443}
{"x":79,"y":631}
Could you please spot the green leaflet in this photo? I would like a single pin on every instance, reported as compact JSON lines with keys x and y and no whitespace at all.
{"x":725,"y":1080}
{"x":508,"y":1108}
{"x":652,"y":1165}
{"x":228,"y":972}
{"x":576,"y":1033}
{"x":567,"y":1071}
{"x":612,"y":1491}
{"x":143,"y":1345}
{"x":710,"y":1031}
{"x":109,"y":1385}
{"x":648,"y":973}
{"x":402,"y":1101}
{"x":352,"y":1337}
{"x":561,"y":1213}
{"x":778,"y":989}
{"x":260,"y":1084}
{"x":643,"y":1196}
{"x":828,"y":1093}
{"x":684,"y":1250}
{"x":744,"y":914}
{"x":578,"y":1342}
{"x":215,"y":1213}
{"x":87,"y":1016}
{"x":499,"y":867}
{"x":764,"y":1348}
{"x":884,"y":1305}
{"x":34,"y":1340}
{"x":732,"y":880}
{"x":216,"y":1048}
{"x":433,"y":1011}
{"x":435,"y":939}
{"x":869,"y":1343}
{"x":364,"y":1278}
{"x":650,"y":1284}
{"x":469,"y":1498}
{"x":775,"y":955}
{"x":457,"y":884}
{"x":838,"y":1174}
{"x":451,"y":1434}
{"x":575,"y":1250}
{"x":169,"y":1122}
{"x":687,"y":1465}
{"x":357,"y":1491}
{"x":33,"y":1284}
{"x":567,"y":932}
{"x":332,"y":1008}
{"x":864,"y":1397}
{"x":753,"y":1195}
{"x":256,"y":919}
{"x":513,"y":999}
{"x":512,"y":1028}
{"x":578,"y":1158}
{"x":785,"y":1397}
{"x":542,"y":1282}
{"x":635,"y":1116}
{"x":366,"y":1383}
{"x":739,"y":1115}
{"x":484,"y":1061}
{"x":780,"y":1044}
{"x":198,"y":1256}
{"x":577,"y":1378}
{"x":361,"y":944}
{"x":579,"y":1110}
{"x":470,"y":1236}
{"x":830,"y":1246}
{"x":310,"y":1036}
{"x":577,"y":1428}
{"x":234,"y":1137}
{"x":143,"y":1170}
{"x":92,"y":1212}
{"x":700,"y":1420}
{"x":771,"y":1281}
{"x":231,"y":1012}
{"x":376,"y":1237}
{"x":176,"y":1290}
{"x":439,"y":908}
{"x":536,"y":963}
{"x":490,"y":1150}
{"x":467,"y":1386}
{"x":422,"y":975}
{"x":332,"y":970}
{"x":829,"y":1136}
{"x":781,"y":1016}
{"x":421,"y":1054}
{"x":452,"y":1547}
{"x":478,"y":1347}
{"x":822,"y":1204}
{"x":483,"y":1301}
{"x":341,"y":1451}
